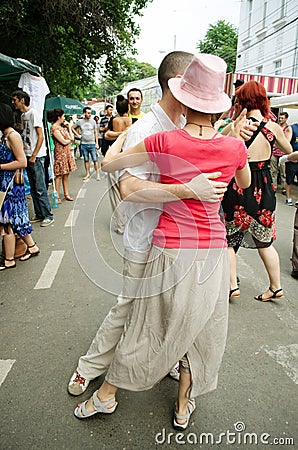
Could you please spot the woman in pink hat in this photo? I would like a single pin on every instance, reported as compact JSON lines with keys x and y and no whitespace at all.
{"x":183,"y":311}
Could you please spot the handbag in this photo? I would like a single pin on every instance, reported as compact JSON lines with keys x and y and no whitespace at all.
{"x":3,"y":193}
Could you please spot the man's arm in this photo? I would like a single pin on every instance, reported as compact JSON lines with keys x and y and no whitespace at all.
{"x":40,"y":139}
{"x":288,"y":133}
{"x":202,"y":187}
{"x":74,"y":130}
{"x":96,"y":137}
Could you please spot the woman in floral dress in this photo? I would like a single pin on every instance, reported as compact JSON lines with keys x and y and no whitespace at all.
{"x":64,"y":162}
{"x":250,"y":213}
{"x":14,"y":217}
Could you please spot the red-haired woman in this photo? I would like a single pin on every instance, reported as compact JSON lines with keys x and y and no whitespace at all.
{"x":250,"y":213}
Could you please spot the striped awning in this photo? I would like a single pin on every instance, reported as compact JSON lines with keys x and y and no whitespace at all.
{"x":272,"y":84}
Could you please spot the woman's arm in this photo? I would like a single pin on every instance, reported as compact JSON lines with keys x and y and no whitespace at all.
{"x":111,"y":135}
{"x":243,"y":177}
{"x":14,"y":142}
{"x":58,"y":136}
{"x":114,"y":160}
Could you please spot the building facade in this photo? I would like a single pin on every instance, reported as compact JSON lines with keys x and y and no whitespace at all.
{"x":268,"y":38}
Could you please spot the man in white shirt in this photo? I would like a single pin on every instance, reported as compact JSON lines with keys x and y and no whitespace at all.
{"x":35,"y":150}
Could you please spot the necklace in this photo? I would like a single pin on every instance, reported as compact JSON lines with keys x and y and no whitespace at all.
{"x":199,"y":125}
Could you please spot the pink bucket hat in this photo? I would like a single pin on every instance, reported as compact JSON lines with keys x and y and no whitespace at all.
{"x":202,"y":85}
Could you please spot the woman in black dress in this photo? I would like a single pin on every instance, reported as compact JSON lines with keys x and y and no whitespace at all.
{"x":250,"y":213}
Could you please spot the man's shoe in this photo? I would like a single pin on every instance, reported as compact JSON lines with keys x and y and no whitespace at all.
{"x":77,"y":384}
{"x":284,"y":192}
{"x":296,"y":204}
{"x":289,"y":202}
{"x":294,"y":274}
{"x":46,"y":222}
{"x":36,"y":219}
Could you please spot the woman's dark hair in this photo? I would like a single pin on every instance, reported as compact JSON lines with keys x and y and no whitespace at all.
{"x":51,"y":116}
{"x":121,"y":105}
{"x":6,"y":116}
{"x":57,"y":112}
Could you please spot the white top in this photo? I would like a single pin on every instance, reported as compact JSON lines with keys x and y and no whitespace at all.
{"x":142,"y":218}
{"x":30,"y":120}
{"x":37,"y":88}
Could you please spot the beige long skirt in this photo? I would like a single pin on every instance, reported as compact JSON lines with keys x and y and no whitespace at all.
{"x":183,"y":311}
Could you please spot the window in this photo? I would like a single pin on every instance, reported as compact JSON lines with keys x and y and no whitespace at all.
{"x":283,"y":8}
{"x":260,"y":69}
{"x":264,"y":14}
{"x":277,"y":67}
{"x":249,"y":16}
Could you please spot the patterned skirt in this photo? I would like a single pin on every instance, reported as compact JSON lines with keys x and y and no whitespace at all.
{"x":250,"y":213}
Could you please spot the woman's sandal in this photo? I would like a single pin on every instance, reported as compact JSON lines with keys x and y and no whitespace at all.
{"x":3,"y":267}
{"x":27,"y":255}
{"x":190,"y":409}
{"x":59,"y":200}
{"x":274,"y":295}
{"x":99,"y":407}
{"x":233,"y":292}
{"x":68,"y":197}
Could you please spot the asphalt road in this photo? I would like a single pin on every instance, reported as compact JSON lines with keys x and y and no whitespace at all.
{"x":52,"y":305}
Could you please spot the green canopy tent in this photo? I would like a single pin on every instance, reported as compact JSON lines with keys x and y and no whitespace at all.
{"x":12,"y":68}
{"x":69,"y":105}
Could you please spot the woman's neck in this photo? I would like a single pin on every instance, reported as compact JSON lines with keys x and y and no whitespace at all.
{"x":256,"y":113}
{"x":6,"y":131}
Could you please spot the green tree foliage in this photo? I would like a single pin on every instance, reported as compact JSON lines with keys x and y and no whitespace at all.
{"x":221,"y":40}
{"x":129,"y":70}
{"x":70,"y":39}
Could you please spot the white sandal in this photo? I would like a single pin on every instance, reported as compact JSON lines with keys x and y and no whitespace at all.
{"x":190,"y":409}
{"x":99,"y":407}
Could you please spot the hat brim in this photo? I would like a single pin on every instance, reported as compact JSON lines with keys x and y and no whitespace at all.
{"x":221,"y":104}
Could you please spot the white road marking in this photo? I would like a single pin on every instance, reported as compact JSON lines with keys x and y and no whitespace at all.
{"x":82,"y":193}
{"x":49,"y":272}
{"x":5,"y":366}
{"x":72,"y":218}
{"x":286,"y":356}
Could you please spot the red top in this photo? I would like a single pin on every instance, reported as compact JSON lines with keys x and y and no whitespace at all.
{"x":180,"y":157}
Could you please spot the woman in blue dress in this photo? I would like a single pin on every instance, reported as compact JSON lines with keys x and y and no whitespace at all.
{"x":14,"y":217}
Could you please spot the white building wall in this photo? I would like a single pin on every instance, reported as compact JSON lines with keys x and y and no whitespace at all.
{"x":268,"y":37}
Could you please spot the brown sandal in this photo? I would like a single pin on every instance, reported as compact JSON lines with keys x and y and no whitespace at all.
{"x":27,"y":255}
{"x":68,"y":197}
{"x":3,"y":267}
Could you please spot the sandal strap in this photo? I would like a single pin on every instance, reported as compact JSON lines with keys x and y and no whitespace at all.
{"x":31,"y":246}
{"x":275,"y":292}
{"x":101,"y":406}
{"x":191,"y":406}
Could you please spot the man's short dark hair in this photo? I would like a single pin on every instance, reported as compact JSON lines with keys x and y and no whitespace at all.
{"x":173,"y":64}
{"x":87,"y":108}
{"x":284,"y":113}
{"x":108,"y":106}
{"x":22,"y":94}
{"x":133,"y":90}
